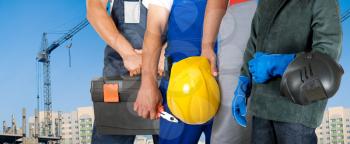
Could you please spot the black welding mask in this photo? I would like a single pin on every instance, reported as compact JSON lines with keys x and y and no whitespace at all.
{"x":311,"y":77}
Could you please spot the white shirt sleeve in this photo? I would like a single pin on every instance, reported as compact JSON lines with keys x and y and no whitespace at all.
{"x":167,"y":4}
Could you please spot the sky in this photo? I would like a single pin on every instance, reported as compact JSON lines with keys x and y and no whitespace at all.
{"x":21,"y":26}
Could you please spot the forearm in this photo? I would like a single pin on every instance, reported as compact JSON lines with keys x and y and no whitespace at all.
{"x":151,"y":51}
{"x":214,"y":13}
{"x":152,"y":46}
{"x":105,"y":27}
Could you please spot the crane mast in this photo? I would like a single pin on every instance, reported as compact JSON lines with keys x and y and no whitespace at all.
{"x":44,"y":57}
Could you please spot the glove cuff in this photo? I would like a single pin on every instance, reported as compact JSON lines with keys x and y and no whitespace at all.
{"x":280,"y":67}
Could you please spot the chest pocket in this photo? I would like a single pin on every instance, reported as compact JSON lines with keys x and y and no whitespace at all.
{"x":133,"y":32}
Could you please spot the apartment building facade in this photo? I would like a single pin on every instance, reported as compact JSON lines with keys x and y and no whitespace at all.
{"x":335,"y":127}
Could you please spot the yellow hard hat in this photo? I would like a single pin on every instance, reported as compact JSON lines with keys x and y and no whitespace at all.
{"x":193,"y":94}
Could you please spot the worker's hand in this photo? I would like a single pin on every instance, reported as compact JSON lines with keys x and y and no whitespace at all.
{"x":239,"y":103}
{"x":133,"y":62}
{"x":148,"y":101}
{"x":264,"y":67}
{"x":210,"y":55}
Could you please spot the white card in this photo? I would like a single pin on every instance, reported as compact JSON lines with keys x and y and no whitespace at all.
{"x":132,"y":12}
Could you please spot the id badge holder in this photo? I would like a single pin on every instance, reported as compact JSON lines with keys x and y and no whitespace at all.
{"x":132,"y":11}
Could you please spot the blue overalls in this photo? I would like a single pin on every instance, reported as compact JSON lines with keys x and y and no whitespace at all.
{"x":184,"y":39}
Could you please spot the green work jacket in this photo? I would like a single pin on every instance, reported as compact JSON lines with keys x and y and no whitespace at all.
{"x":291,"y":27}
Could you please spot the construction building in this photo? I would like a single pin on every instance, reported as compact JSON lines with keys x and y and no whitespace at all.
{"x":75,"y":127}
{"x":335,"y":127}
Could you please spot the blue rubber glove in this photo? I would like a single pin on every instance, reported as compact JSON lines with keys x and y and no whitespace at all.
{"x":264,"y":66}
{"x":239,"y":103}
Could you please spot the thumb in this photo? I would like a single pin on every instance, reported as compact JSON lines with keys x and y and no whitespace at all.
{"x":214,"y":70}
{"x":138,"y":51}
{"x":243,"y":109}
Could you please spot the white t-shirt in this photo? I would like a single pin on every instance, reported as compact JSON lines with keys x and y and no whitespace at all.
{"x":167,"y":4}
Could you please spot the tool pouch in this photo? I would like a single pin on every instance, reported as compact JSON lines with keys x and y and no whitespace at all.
{"x":113,"y":101}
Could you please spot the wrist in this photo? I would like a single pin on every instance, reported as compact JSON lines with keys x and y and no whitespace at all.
{"x":149,"y":78}
{"x":126,"y":53}
{"x":206,"y":46}
{"x":123,"y":47}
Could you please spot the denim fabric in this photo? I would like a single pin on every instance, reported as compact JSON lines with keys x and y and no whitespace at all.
{"x":115,"y":139}
{"x":113,"y":63}
{"x":274,"y":132}
{"x":133,"y":32}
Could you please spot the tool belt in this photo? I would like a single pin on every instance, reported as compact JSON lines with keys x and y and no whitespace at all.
{"x":113,"y":101}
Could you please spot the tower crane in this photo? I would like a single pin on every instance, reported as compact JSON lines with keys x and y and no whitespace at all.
{"x":345,"y":16}
{"x":44,"y":57}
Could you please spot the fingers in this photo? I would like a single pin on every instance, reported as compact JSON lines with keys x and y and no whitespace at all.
{"x":135,"y":72}
{"x":138,"y":51}
{"x":241,"y":120}
{"x":136,"y":106}
{"x":153,"y":114}
{"x":251,"y":64}
{"x":139,"y":110}
{"x":213,"y":66}
{"x":160,"y":71}
{"x":145,"y":113}
{"x":242,"y":109}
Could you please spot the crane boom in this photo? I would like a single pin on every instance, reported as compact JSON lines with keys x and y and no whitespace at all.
{"x":44,"y":57}
{"x":43,"y":54}
{"x":345,"y":16}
